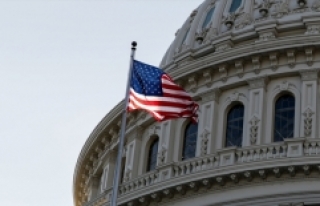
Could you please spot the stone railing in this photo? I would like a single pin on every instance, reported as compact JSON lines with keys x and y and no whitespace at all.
{"x":101,"y":200}
{"x":145,"y":180}
{"x":231,"y":157}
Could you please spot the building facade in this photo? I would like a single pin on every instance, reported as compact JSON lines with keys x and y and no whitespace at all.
{"x":252,"y":65}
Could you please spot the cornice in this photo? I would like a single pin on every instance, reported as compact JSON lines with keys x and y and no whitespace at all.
{"x":228,"y":178}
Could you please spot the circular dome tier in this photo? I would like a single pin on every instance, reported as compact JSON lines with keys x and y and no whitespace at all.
{"x":252,"y":65}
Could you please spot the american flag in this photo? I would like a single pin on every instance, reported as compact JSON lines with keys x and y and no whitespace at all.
{"x":153,"y":90}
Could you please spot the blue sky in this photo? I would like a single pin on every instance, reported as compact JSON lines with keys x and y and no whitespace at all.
{"x":63,"y":66}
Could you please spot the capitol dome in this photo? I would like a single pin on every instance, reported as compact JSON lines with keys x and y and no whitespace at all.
{"x":252,"y":66}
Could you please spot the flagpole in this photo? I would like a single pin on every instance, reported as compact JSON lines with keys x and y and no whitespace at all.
{"x":117,"y":172}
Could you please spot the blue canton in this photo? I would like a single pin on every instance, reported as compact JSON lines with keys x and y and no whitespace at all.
{"x":146,"y":79}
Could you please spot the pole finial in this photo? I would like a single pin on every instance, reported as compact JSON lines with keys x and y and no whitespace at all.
{"x":134,"y":44}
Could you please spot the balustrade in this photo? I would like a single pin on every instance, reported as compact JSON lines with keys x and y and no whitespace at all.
{"x":288,"y":149}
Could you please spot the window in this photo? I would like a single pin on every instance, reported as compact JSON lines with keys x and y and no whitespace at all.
{"x":152,"y":157}
{"x":284,"y":118}
{"x":190,"y":141}
{"x":235,"y":5}
{"x":185,"y":37}
{"x":235,"y":126}
{"x":208,"y":18}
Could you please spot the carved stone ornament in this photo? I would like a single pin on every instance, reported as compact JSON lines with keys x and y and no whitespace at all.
{"x":235,"y":97}
{"x":313,"y":29}
{"x":291,"y":57}
{"x":234,"y":178}
{"x":154,"y":130}
{"x":181,"y":189}
{"x":229,"y":20}
{"x":193,"y":83}
{"x":308,"y":122}
{"x":309,"y":75}
{"x":243,"y":20}
{"x":223,"y":72}
{"x":254,"y":129}
{"x":264,"y":7}
{"x":273,"y":60}
{"x":258,"y":82}
{"x":316,"y":6}
{"x":201,"y":35}
{"x":207,"y":77}
{"x":204,"y":141}
{"x":239,"y":66}
{"x":292,"y":171}
{"x":263,"y":174}
{"x":225,"y":45}
{"x":212,"y":95}
{"x":162,"y":154}
{"x":256,"y":64}
{"x":281,"y":9}
{"x":156,"y":197}
{"x":267,"y":36}
{"x":309,"y":56}
{"x":207,"y":183}
{"x":192,"y":15}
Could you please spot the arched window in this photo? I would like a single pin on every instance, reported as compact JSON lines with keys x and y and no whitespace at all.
{"x":235,"y":126}
{"x":284,"y":117}
{"x":208,"y":18}
{"x":190,"y":141}
{"x":235,"y":5}
{"x":152,"y":156}
{"x":185,"y":37}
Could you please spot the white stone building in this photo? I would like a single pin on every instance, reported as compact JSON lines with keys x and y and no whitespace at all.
{"x":252,"y":65}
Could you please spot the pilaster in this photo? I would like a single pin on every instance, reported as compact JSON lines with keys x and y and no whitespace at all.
{"x":109,"y":169}
{"x":165,"y":152}
{"x":257,"y":93}
{"x":206,"y":125}
{"x":308,"y":120}
{"x":133,"y":154}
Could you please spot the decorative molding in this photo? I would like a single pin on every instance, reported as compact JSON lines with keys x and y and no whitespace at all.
{"x":316,"y":6}
{"x":284,"y":86}
{"x":162,"y":155}
{"x":258,"y":82}
{"x":243,"y":20}
{"x":239,"y":67}
{"x":309,"y":74}
{"x":204,"y":141}
{"x":256,"y":64}
{"x":281,"y":8}
{"x":291,"y":57}
{"x":273,"y":56}
{"x":267,"y":35}
{"x":193,"y":83}
{"x":223,"y":72}
{"x":308,"y":122}
{"x":212,"y":95}
{"x":154,"y":130}
{"x":254,"y":129}
{"x":225,"y":45}
{"x":207,"y":76}
{"x":309,"y":55}
{"x":312,"y":29}
{"x":229,"y":20}
{"x":236,"y":96}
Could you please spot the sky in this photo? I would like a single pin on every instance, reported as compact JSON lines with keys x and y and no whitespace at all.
{"x":63,"y":66}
